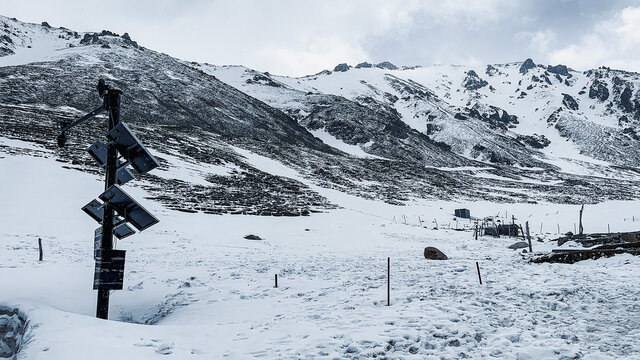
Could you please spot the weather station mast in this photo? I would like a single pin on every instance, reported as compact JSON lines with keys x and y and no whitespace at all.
{"x":116,"y":209}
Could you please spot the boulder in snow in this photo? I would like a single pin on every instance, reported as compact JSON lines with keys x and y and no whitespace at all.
{"x":432,"y":253}
{"x":518,"y":245}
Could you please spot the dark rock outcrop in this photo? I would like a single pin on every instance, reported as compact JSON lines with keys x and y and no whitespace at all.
{"x":12,"y":328}
{"x":526,"y":66}
{"x":432,"y":253}
{"x":341,"y":67}
{"x":558,"y":69}
{"x":363,"y":65}
{"x":598,"y":90}
{"x":473,"y":81}
{"x":535,"y":141}
{"x":569,"y":102}
{"x":386,"y":65}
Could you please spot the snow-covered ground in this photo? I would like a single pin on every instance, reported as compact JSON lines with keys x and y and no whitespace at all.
{"x":195,"y":288}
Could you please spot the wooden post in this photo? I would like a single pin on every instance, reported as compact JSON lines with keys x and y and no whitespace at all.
{"x":609,"y":228}
{"x":276,"y":280}
{"x":580,"y":227}
{"x":477,"y":230}
{"x":479,"y":277}
{"x":574,"y":228}
{"x":39,"y":250}
{"x":558,"y":228}
{"x":388,"y":281}
{"x":541,"y":228}
{"x":528,"y":237}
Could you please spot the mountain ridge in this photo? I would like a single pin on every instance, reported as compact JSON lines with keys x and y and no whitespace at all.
{"x":387,"y":136}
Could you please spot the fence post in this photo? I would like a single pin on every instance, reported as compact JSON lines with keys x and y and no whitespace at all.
{"x":39,"y":250}
{"x":479,"y":277}
{"x":388,"y":281}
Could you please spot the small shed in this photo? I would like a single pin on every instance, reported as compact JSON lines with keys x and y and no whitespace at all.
{"x":463,"y":213}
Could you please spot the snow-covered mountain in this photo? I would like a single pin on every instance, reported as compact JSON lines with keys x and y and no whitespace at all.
{"x":519,"y":114}
{"x":378,"y":156}
{"x":532,"y":132}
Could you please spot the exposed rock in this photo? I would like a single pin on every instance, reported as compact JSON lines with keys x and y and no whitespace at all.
{"x":90,"y":39}
{"x":625,"y":99}
{"x":107,"y":33}
{"x":558,"y":69}
{"x":535,"y":141}
{"x":386,"y":65}
{"x":518,"y":245}
{"x":526,"y":66}
{"x":341,"y":67}
{"x":598,"y":90}
{"x":364,"y":65}
{"x":252,"y":237}
{"x":432,"y":253}
{"x":473,"y":81}
{"x":263,"y":80}
{"x":491,"y":70}
{"x":12,"y":329}
{"x":46,"y":24}
{"x":569,"y":102}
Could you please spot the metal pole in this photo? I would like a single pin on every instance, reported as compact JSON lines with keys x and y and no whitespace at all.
{"x":479,"y":277}
{"x":388,"y":281}
{"x":113,"y":101}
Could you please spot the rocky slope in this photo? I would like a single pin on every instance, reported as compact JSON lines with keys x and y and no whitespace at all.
{"x":373,"y":131}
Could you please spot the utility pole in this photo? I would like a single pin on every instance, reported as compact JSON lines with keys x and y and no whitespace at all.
{"x":118,"y":209}
{"x":113,"y":107}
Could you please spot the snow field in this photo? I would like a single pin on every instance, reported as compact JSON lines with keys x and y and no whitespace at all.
{"x":194,"y":288}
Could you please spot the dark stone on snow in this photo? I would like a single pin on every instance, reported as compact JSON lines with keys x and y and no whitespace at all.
{"x":107,"y":33}
{"x":518,"y":245}
{"x":569,"y":102}
{"x":491,"y":70}
{"x":341,"y":67}
{"x":625,"y":99}
{"x":535,"y":141}
{"x":432,"y":253}
{"x":252,"y":237}
{"x":126,"y":36}
{"x":90,"y":39}
{"x":598,"y":90}
{"x":12,"y":329}
{"x":364,"y":65}
{"x":473,"y":81}
{"x":526,"y":66}
{"x":46,"y":24}
{"x":559,"y":69}
{"x":386,"y":65}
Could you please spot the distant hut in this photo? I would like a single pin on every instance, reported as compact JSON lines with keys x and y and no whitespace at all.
{"x":463,"y":213}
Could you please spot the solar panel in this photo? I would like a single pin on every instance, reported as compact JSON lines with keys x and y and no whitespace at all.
{"x":131,"y":149}
{"x":95,"y":210}
{"x":109,"y":271}
{"x":128,"y":208}
{"x":98,"y":151}
{"x":123,"y":230}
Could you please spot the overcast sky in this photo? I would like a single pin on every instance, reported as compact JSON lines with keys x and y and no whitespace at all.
{"x":296,"y":37}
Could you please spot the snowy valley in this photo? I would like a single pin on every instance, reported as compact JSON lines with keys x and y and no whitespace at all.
{"x":335,"y":172}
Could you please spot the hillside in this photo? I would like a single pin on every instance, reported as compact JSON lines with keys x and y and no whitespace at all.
{"x":339,"y":174}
